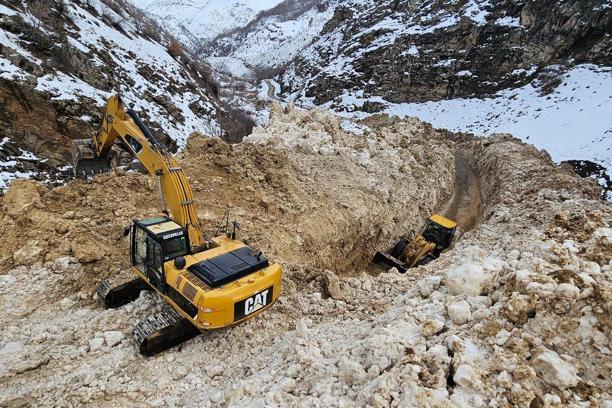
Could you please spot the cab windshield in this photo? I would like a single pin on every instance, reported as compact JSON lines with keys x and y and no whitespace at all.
{"x":175,"y":247}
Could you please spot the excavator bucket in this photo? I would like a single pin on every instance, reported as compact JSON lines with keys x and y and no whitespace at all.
{"x":85,"y":160}
{"x":387,"y":261}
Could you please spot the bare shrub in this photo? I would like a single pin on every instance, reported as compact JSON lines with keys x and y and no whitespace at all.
{"x":175,"y":49}
{"x":148,"y":28}
{"x":39,"y":9}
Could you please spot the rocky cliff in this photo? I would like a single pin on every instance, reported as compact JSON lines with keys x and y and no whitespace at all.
{"x":408,"y":51}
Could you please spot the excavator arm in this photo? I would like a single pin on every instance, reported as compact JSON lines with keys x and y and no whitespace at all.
{"x":92,"y":156}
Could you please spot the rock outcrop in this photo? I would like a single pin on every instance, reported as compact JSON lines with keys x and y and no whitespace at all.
{"x":407,"y":51}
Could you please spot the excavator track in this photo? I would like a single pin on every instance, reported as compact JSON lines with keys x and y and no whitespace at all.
{"x":162,"y":331}
{"x":117,"y":291}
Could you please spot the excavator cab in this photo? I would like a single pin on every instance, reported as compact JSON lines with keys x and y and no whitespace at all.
{"x":155,"y":241}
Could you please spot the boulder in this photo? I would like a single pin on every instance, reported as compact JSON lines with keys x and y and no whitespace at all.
{"x":468,"y":279}
{"x":553,"y":370}
{"x":31,"y":253}
{"x":113,"y":337}
{"x":22,"y":196}
{"x":459,"y":312}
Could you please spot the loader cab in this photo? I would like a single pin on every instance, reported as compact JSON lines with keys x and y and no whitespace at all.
{"x":439,"y":230}
{"x":155,"y":241}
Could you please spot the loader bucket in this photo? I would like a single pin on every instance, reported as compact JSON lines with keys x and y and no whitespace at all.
{"x":85,"y":161}
{"x":387,"y":261}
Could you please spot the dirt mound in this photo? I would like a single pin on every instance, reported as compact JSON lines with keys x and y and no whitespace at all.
{"x":517,"y":314}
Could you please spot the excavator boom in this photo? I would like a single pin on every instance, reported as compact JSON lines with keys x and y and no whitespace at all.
{"x":93,"y":156}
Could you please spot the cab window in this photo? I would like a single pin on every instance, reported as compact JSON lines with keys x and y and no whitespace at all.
{"x":175,"y":247}
{"x":139,"y":248}
{"x":154,"y":260}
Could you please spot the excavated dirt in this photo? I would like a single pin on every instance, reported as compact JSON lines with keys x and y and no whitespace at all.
{"x":516,"y":314}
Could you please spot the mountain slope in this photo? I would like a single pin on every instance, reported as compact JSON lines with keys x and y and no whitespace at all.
{"x":195,"y":22}
{"x":60,"y":61}
{"x":414,"y":51}
{"x":275,"y":37}
{"x":536,"y":69}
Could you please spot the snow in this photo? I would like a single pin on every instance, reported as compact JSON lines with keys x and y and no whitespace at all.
{"x":95,"y":34}
{"x":7,"y":176}
{"x":11,"y":40}
{"x":459,"y":312}
{"x":147,"y":77}
{"x":354,"y":128}
{"x":68,"y":88}
{"x":509,"y":21}
{"x":573,"y":122}
{"x":273,"y":42}
{"x":412,"y":50}
{"x":10,"y":71}
{"x":465,"y":73}
{"x":445,"y":63}
{"x":467,"y":278}
{"x":7,"y":11}
{"x":475,"y":10}
{"x":231,"y":66}
{"x":195,"y":21}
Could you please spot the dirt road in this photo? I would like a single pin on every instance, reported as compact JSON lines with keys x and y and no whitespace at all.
{"x":272,"y":91}
{"x":465,"y":205}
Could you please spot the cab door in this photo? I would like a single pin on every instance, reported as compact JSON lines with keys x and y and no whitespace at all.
{"x":155,"y":266}
{"x":147,"y":257}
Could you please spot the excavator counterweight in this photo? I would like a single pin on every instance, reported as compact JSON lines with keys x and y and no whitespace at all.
{"x":207,"y":283}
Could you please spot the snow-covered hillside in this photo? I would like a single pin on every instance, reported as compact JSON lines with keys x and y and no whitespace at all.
{"x":195,"y":22}
{"x":274,"y":38}
{"x":479,"y":66}
{"x":59,"y":64}
{"x":573,"y":122}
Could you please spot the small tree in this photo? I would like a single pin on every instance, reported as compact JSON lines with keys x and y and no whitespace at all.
{"x":175,"y":49}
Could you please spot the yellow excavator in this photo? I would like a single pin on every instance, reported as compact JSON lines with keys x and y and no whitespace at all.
{"x":436,"y":237}
{"x":209,"y":283}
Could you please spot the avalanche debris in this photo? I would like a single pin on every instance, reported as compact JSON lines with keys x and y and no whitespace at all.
{"x":513,"y":315}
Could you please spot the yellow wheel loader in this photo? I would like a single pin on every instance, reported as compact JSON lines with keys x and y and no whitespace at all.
{"x":436,"y":237}
{"x":209,"y":283}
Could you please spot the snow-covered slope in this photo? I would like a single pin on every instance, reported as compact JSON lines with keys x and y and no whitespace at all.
{"x":538,"y":70}
{"x":59,"y":64}
{"x":573,"y":122}
{"x":195,"y":22}
{"x":275,"y":37}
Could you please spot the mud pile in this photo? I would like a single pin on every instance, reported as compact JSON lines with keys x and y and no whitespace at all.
{"x":517,"y":313}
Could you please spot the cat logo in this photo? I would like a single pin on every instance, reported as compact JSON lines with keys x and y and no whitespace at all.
{"x":256,"y":302}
